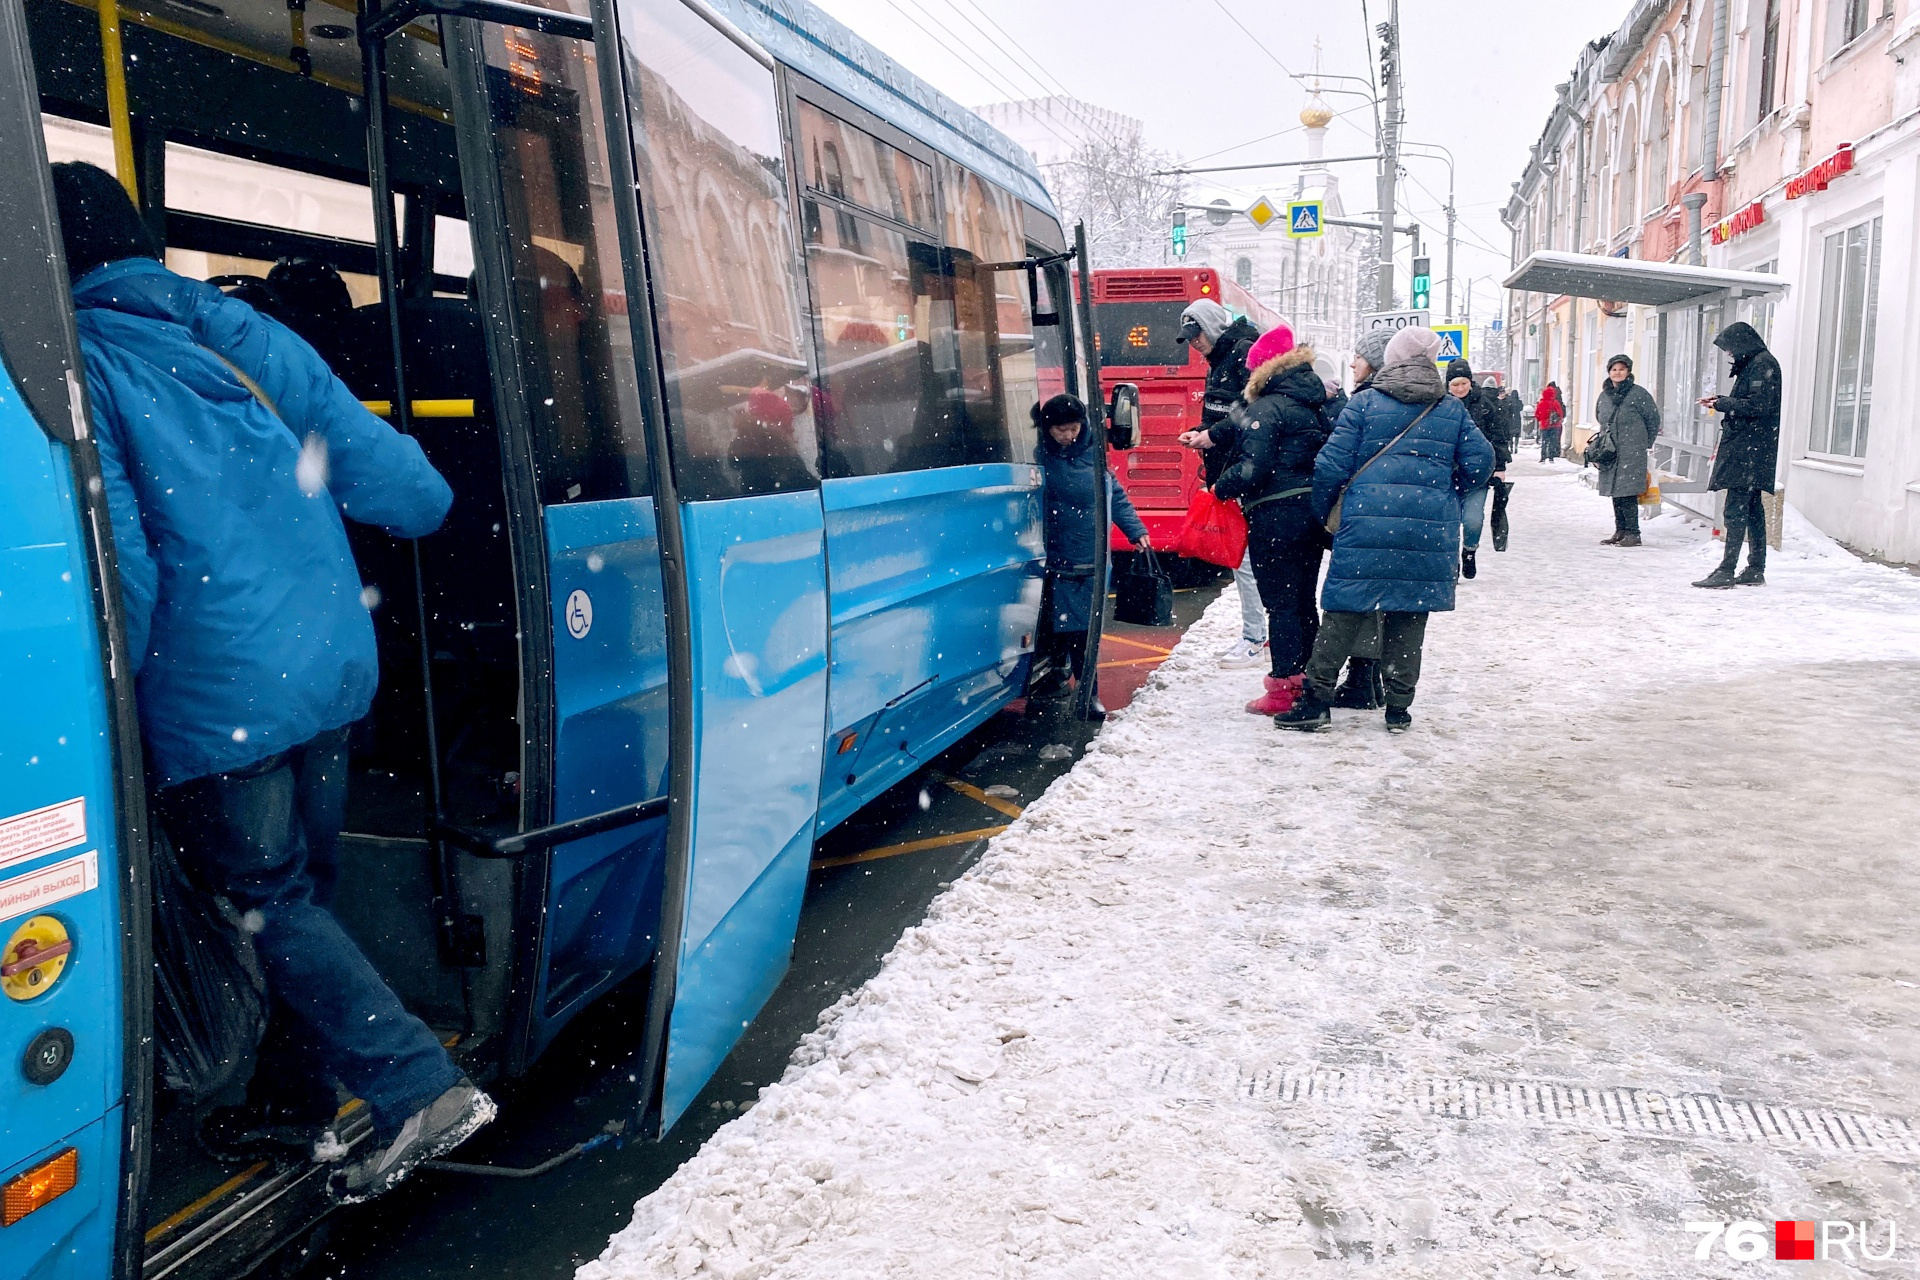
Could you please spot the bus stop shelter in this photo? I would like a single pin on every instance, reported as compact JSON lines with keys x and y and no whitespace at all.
{"x":1691,"y":305}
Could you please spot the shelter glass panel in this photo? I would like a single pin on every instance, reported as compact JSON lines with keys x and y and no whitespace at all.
{"x":713,"y":194}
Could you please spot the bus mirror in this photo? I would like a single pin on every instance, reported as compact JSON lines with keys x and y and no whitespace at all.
{"x":1123,"y":417}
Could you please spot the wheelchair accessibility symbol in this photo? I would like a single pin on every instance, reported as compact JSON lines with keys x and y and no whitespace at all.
{"x":579,"y":615}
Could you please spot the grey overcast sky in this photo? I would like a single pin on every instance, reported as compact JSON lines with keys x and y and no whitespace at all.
{"x":1479,"y":78}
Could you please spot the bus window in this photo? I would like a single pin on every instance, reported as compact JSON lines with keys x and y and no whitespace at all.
{"x":993,"y":323}
{"x":578,"y":367}
{"x":713,"y":196}
{"x":851,"y":164}
{"x":882,"y":328}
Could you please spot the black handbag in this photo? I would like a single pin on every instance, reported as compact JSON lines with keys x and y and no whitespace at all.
{"x":1145,"y":596}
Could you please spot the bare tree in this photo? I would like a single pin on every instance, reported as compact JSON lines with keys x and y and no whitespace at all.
{"x":1108,"y":182}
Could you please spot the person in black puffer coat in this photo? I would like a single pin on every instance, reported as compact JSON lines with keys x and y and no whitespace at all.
{"x":1749,"y":452}
{"x":1224,"y":340}
{"x":1270,"y":472}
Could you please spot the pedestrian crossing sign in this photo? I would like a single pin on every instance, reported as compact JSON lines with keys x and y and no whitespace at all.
{"x":1453,"y":342}
{"x":1304,"y":219}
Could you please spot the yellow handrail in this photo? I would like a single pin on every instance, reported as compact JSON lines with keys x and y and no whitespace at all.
{"x":114,"y":62}
{"x":423,"y":408}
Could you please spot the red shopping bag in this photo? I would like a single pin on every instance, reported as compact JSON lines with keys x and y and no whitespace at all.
{"x":1215,"y":531}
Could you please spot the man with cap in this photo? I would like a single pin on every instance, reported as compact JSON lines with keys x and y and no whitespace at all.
{"x":1225,"y":339}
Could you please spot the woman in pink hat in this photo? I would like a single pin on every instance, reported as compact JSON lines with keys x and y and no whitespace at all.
{"x":1271,"y":446}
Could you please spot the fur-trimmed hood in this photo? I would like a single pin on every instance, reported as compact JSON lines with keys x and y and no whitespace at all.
{"x":1301,"y":357}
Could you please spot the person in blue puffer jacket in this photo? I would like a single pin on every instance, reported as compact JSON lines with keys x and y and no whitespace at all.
{"x":230,"y":454}
{"x":1398,"y":461}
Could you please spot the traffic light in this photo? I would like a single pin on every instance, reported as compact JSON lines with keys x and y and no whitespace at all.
{"x":1180,"y":233}
{"x":1422,"y":283}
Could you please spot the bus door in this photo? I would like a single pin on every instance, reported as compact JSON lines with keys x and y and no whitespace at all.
{"x":744,"y":529}
{"x":74,"y":995}
{"x":568,"y":393}
{"x":679,"y":509}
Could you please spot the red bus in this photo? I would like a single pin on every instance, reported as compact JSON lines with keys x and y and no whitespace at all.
{"x":1136,"y":318}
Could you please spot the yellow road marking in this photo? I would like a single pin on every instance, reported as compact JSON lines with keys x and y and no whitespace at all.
{"x":1133,"y":662}
{"x":220,"y":1192}
{"x":1138,"y":644}
{"x":911,"y":846}
{"x":972,"y":792}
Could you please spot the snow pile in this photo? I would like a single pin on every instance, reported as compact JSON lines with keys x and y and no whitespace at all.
{"x":1228,"y":1002}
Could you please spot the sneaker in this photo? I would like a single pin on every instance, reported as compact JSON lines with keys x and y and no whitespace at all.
{"x":256,"y":1131}
{"x":1308,"y":713}
{"x":1244,"y":654}
{"x":1399,"y":719}
{"x":1752,"y":576}
{"x":1468,"y":569}
{"x":432,"y":1131}
{"x":1719,"y":580}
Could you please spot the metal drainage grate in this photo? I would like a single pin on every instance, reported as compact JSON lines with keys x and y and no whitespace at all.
{"x":1644,"y":1113}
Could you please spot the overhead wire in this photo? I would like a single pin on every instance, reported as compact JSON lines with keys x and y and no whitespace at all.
{"x":952,"y":43}
{"x":1049,"y":84}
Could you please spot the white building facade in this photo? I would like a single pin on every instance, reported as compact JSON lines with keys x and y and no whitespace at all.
{"x":1813,"y":175}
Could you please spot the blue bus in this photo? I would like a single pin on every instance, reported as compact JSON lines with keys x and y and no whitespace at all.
{"x":724,"y":329}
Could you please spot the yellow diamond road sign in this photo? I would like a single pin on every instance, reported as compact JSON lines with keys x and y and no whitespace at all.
{"x":1263,"y":212}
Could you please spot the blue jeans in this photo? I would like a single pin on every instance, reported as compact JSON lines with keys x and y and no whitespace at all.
{"x":266,"y":837}
{"x":1473,"y":516}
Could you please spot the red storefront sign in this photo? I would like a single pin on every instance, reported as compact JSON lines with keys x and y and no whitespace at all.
{"x":1740,"y":223}
{"x":1817,"y":178}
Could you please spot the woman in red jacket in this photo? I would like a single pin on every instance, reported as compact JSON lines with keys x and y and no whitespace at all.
{"x":1549,"y":414}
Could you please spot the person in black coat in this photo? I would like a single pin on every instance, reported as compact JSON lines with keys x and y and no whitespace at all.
{"x":1270,"y":473}
{"x":1478,"y":403}
{"x":1749,"y":452}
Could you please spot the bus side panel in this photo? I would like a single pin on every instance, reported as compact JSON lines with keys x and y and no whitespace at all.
{"x":936,"y":599}
{"x":610,"y":690}
{"x":72,"y":1238}
{"x":56,"y":750}
{"x":756,"y":571}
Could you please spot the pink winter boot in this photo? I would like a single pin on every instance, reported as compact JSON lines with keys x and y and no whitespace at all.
{"x":1279,"y":697}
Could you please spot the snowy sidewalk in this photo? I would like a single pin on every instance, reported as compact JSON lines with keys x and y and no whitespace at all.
{"x":1523,"y":990}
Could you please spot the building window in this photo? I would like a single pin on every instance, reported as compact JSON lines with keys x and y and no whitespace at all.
{"x":1847,"y":21}
{"x":1849,"y":298}
{"x":1659,"y":153}
{"x":1243,"y":273}
{"x":1626,"y":199}
{"x":1770,"y":56}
